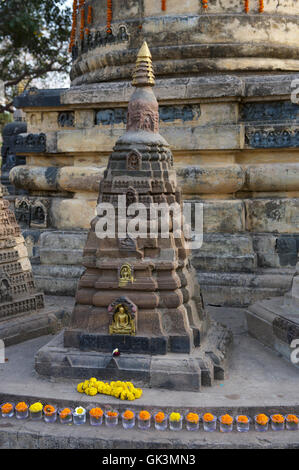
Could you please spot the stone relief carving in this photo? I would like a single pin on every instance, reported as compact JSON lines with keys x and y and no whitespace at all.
{"x":134,"y":160}
{"x":29,"y":143}
{"x":274,"y":111}
{"x":168,"y":113}
{"x":66,"y":119}
{"x":275,"y":138}
{"x":32,"y":213}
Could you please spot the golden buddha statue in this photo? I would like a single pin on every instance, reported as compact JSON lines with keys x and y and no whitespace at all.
{"x":125,"y":275}
{"x":122,"y":323}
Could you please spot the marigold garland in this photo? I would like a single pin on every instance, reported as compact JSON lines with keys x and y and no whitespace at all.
{"x":74,"y":25}
{"x":261,"y":6}
{"x":82,"y":25}
{"x":163,"y":5}
{"x":205,"y":4}
{"x":109,"y":15}
{"x":246,"y":6}
{"x":89,"y":14}
{"x":122,"y":390}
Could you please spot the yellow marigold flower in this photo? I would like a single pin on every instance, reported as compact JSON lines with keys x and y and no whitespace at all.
{"x":80,"y":388}
{"x":175,"y":417}
{"x":92,"y":380}
{"x":36,"y":407}
{"x":92,"y":391}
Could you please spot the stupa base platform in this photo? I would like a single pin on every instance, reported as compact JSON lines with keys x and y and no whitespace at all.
{"x":22,"y":327}
{"x":172,"y":371}
{"x":268,"y":385}
{"x":275,"y":323}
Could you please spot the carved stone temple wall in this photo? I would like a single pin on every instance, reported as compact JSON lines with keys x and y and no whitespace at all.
{"x":224,"y":83}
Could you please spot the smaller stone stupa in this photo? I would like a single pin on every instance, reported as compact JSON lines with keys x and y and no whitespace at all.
{"x":140,"y":295}
{"x":22,"y":312}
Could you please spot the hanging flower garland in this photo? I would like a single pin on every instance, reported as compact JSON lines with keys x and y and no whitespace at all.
{"x":89,"y":15}
{"x":74,"y":25}
{"x":246,"y":6}
{"x":205,"y":4}
{"x":261,"y":6}
{"x":109,"y":15}
{"x":82,"y":24}
{"x":163,"y":5}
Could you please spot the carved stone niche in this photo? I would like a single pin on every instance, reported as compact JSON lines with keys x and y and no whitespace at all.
{"x":39,"y":214}
{"x":23,"y":211}
{"x":134,"y":160}
{"x":123,"y":314}
{"x":5,"y":289}
{"x":131,"y":196}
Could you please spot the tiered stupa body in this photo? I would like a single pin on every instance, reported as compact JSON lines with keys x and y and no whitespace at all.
{"x":169,"y":313}
{"x":140,"y":295}
{"x":18,"y":294}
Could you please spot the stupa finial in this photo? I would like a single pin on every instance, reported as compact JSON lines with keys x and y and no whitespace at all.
{"x":143,"y":74}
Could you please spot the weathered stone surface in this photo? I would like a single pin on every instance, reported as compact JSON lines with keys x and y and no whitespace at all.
{"x":270,"y":215}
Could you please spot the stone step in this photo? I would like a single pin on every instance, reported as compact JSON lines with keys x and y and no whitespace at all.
{"x":28,"y":434}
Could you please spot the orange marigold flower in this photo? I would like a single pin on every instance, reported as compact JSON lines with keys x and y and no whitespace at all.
{"x":226,"y":419}
{"x":49,"y":410}
{"x":262,"y":419}
{"x":278,"y":419}
{"x":292,"y":419}
{"x":242,"y":419}
{"x":65,"y":412}
{"x":97,"y":412}
{"x":6,"y":408}
{"x":159,"y":417}
{"x":112,"y":414}
{"x":208,"y":417}
{"x":128,"y":414}
{"x":144,"y":415}
{"x":22,"y":406}
{"x":192,"y":417}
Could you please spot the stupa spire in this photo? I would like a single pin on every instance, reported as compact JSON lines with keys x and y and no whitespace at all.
{"x":143,"y":74}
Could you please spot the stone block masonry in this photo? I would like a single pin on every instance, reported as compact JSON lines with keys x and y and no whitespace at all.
{"x":234,"y":137}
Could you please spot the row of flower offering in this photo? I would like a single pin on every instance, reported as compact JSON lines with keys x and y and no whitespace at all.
{"x":161,"y":420}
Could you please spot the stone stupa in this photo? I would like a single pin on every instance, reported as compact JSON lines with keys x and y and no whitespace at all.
{"x":139,"y":295}
{"x":22,"y":313}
